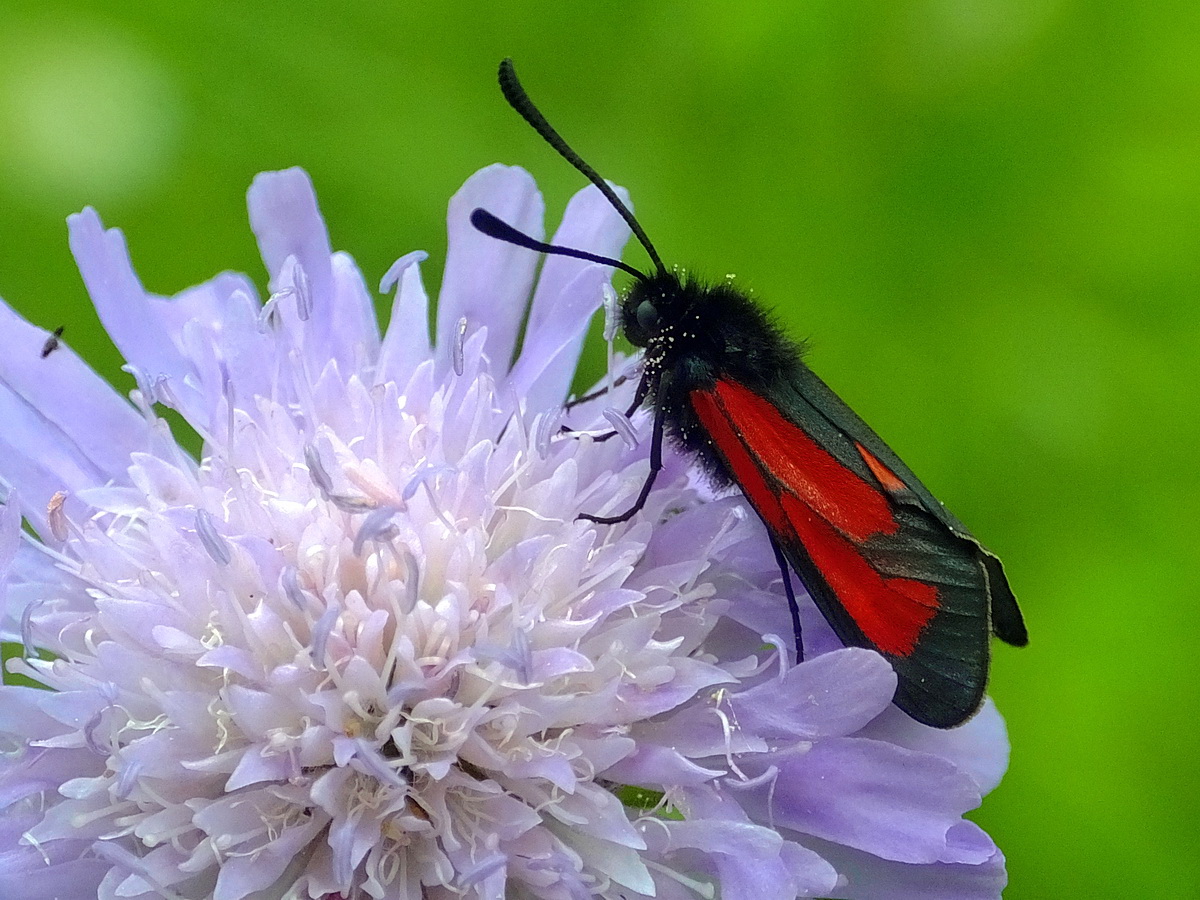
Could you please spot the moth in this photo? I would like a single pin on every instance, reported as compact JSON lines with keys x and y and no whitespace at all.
{"x":886,"y":563}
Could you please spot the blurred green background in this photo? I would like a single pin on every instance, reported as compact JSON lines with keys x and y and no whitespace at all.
{"x":986,"y":215}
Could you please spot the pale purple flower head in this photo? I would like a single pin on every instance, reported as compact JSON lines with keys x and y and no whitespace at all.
{"x":365,"y":648}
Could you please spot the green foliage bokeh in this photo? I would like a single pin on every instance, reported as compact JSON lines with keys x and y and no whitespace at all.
{"x":984,"y":213}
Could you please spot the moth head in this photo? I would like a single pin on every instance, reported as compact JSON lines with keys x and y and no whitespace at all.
{"x":651,"y":307}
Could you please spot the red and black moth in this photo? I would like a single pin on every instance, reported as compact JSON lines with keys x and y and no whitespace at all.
{"x":886,"y":563}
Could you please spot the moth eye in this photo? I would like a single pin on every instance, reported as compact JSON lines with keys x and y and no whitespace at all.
{"x":647,"y":315}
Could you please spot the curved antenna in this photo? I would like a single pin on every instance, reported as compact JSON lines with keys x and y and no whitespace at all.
{"x":500,"y":230}
{"x":519,"y":100}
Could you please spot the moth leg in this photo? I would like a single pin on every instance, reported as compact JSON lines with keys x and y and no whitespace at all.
{"x":656,"y":464}
{"x":639,"y":397}
{"x":786,"y":571}
{"x":599,"y":392}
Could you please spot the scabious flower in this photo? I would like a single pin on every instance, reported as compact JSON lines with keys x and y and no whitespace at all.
{"x":365,"y":648}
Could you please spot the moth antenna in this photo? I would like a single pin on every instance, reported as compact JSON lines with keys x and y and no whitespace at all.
{"x":519,"y":100}
{"x":500,"y":230}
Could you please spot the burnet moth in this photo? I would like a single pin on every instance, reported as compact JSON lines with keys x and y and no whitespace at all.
{"x":886,"y":563}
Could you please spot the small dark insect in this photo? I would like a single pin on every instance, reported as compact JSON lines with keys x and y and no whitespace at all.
{"x":886,"y":563}
{"x":52,"y":342}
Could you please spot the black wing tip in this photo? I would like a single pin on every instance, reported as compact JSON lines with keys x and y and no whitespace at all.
{"x":1012,"y":633}
{"x":943,"y":683}
{"x":1007,"y":622}
{"x":939,"y":711}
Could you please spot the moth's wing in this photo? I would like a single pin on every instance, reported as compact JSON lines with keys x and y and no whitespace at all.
{"x":886,"y":572}
{"x":818,"y":402}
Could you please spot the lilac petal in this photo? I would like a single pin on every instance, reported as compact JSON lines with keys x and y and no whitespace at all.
{"x":41,"y":477}
{"x":216,"y":327}
{"x":979,"y":747}
{"x":548,"y":664}
{"x":701,"y":732}
{"x":692,"y":533}
{"x":236,"y":659}
{"x":589,"y":223}
{"x":127,"y":311}
{"x":748,"y":858}
{"x":892,"y":802}
{"x":967,"y":843}
{"x":651,"y":764}
{"x":542,"y":373}
{"x":371,"y":761}
{"x":406,"y":344}
{"x":691,"y":676}
{"x":814,"y":875}
{"x":868,"y":877}
{"x":257,"y":713}
{"x":478,"y":872}
{"x":605,"y":752}
{"x":209,"y":304}
{"x":22,"y":711}
{"x":568,"y":292}
{"x":623,"y":865}
{"x":752,"y":860}
{"x":10,"y":541}
{"x":242,"y":876}
{"x":288,"y":225}
{"x":488,"y":281}
{"x":64,"y":427}
{"x":24,"y":872}
{"x":827,"y":696}
{"x":355,"y":324}
{"x":32,"y":577}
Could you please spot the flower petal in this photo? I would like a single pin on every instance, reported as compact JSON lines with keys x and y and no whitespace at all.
{"x":65,"y":428}
{"x":33,"y":576}
{"x":979,"y":747}
{"x":129,"y":316}
{"x":10,"y":540}
{"x":355,"y":327}
{"x":752,"y":860}
{"x":291,"y":232}
{"x":589,"y":223}
{"x":868,"y":877}
{"x":54,"y":872}
{"x":892,"y":802}
{"x":568,"y":293}
{"x":542,"y":373}
{"x":815,"y":700}
{"x":406,"y":344}
{"x":488,"y":282}
{"x":288,"y":225}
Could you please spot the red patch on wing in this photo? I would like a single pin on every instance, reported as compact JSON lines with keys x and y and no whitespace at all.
{"x":889,"y":479}
{"x":890,"y":611}
{"x":744,"y":467}
{"x":803,"y":466}
{"x":815,"y":501}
